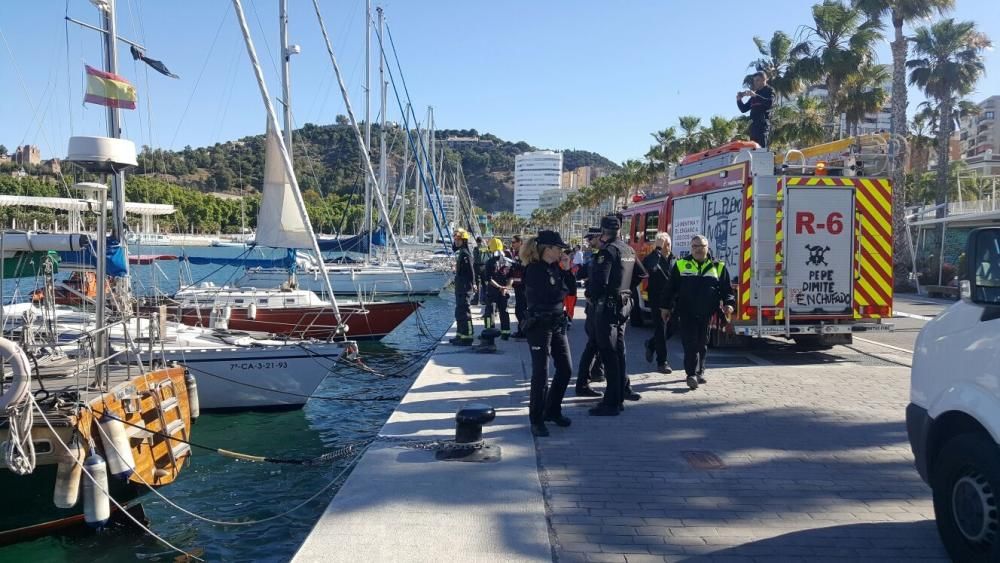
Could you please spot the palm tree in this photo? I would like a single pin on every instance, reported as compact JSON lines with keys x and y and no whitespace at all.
{"x":691,"y":141}
{"x":777,"y":61}
{"x":800,"y":124}
{"x":948,"y":63}
{"x":864,"y":93}
{"x":666,"y":152}
{"x":720,"y":131}
{"x":840,"y":41}
{"x":900,"y":13}
{"x":921,"y":138}
{"x":633,"y":175}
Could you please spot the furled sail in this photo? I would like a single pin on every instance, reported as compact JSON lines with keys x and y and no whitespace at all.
{"x":279,"y":223}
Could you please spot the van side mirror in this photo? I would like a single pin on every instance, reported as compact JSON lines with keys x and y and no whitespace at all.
{"x":981,"y":283}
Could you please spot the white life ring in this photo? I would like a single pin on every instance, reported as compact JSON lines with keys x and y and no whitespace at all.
{"x":21,"y":368}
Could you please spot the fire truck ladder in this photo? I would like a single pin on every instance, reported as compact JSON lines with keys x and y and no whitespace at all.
{"x":767,"y":268}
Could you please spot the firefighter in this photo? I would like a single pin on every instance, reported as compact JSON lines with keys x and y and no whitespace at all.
{"x":659,"y":263}
{"x":545,"y":287}
{"x":465,"y":288}
{"x":591,"y":368}
{"x":516,"y":278}
{"x":759,"y":106}
{"x":698,"y":284}
{"x":496,"y":276}
{"x":479,"y":257}
{"x":612,"y":278}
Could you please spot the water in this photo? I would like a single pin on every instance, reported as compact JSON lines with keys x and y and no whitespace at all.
{"x":225,"y":489}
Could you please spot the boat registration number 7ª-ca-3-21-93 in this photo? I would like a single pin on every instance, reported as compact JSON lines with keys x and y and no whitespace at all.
{"x":257,"y":365}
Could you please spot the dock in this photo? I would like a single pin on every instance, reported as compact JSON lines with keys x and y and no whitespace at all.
{"x":782,"y":455}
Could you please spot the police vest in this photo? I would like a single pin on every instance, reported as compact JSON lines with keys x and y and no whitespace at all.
{"x":708,"y":269}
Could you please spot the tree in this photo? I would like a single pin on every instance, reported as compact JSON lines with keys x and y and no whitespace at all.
{"x":800,"y":124}
{"x":720,"y":131}
{"x":840,"y":41}
{"x":692,"y":140}
{"x":864,"y":93}
{"x":779,"y":64}
{"x":948,"y":63}
{"x":3,"y":150}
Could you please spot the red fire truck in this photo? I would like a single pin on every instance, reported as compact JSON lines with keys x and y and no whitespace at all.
{"x":808,"y":246}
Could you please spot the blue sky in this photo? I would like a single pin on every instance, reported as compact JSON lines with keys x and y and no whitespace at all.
{"x":585,"y":74}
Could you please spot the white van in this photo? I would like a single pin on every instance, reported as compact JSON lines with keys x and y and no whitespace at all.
{"x":953,"y":419}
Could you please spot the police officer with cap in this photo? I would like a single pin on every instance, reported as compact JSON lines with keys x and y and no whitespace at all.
{"x":465,"y":287}
{"x":545,"y":288}
{"x":591,"y":368}
{"x":615,"y":272}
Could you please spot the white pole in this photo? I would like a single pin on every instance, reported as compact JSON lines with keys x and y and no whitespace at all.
{"x":383,"y":171}
{"x":357,"y":133}
{"x":368,"y":121}
{"x":272,"y":119}
{"x":286,"y":81}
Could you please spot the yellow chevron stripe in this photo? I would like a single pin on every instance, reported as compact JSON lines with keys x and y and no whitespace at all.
{"x":876,"y":197}
{"x":871,"y":291}
{"x":882,"y":245}
{"x":880,"y":216}
{"x":813,"y":181}
{"x":794,"y":181}
{"x":880,"y":259}
{"x":878,"y":273}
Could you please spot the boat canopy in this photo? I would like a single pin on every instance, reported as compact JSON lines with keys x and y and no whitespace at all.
{"x":27,"y":264}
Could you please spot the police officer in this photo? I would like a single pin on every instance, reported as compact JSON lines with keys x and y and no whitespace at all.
{"x":496,"y":277}
{"x":591,"y":368}
{"x":465,"y":287}
{"x":659,"y":263}
{"x":612,"y":278}
{"x":697,"y":286}
{"x":545,"y":287}
{"x":516,"y":279}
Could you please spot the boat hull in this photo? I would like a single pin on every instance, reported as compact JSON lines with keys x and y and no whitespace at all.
{"x":260,"y":378}
{"x":349,"y":281}
{"x":369,"y":322}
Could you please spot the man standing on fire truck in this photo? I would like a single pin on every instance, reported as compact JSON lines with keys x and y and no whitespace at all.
{"x":697,"y":286}
{"x":759,"y":106}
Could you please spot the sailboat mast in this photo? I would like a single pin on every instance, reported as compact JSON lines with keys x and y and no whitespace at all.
{"x":406,"y":166}
{"x":368,"y":118}
{"x":114,"y":122}
{"x":383,"y":170}
{"x":286,"y":81}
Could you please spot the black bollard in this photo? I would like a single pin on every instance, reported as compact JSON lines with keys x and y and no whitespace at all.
{"x":469,"y":421}
{"x":487,"y":341}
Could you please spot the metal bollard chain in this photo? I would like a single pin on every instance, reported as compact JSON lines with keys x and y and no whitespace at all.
{"x":432,"y":445}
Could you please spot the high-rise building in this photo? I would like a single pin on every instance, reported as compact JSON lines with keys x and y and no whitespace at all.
{"x":534,"y":172}
{"x":979,"y":136}
{"x":576,"y":179}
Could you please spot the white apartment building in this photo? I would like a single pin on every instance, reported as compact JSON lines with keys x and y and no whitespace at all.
{"x":979,"y":137}
{"x":534,"y":172}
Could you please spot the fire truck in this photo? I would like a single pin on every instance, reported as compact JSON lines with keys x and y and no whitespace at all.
{"x":806,"y":236}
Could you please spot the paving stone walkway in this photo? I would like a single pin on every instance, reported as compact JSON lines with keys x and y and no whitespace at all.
{"x":815,"y":466}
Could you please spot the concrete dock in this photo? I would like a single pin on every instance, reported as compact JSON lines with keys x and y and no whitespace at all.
{"x":783,"y":455}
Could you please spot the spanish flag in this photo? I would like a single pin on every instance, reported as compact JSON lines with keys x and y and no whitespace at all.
{"x":106,"y":89}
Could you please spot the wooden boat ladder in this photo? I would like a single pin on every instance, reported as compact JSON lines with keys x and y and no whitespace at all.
{"x":176,"y":431}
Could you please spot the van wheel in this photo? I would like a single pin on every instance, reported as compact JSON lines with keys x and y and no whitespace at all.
{"x":966,"y":486}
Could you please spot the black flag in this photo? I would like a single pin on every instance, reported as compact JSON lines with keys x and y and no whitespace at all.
{"x":158,"y":66}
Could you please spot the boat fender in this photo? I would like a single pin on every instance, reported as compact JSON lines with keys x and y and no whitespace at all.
{"x":252,"y":312}
{"x":116,"y":447}
{"x":17,"y":389}
{"x":194,"y":406}
{"x":96,"y":504}
{"x":67,"y":490}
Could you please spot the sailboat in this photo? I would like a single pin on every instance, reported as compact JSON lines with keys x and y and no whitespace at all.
{"x":80,"y":436}
{"x":369,"y":278}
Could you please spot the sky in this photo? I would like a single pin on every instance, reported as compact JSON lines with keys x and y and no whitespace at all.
{"x":559,"y":74}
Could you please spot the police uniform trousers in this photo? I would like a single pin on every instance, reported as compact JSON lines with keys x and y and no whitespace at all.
{"x":496,"y":302}
{"x":520,"y":305}
{"x":609,"y":330}
{"x":548,"y":338}
{"x":694,"y":337}
{"x":591,"y":366}
{"x":463,"y":310}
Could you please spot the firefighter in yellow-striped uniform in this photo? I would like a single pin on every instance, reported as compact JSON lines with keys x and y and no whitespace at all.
{"x":498,"y":282}
{"x":698,"y":287}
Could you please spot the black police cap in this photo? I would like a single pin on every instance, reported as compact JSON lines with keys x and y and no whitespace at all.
{"x":592,"y":232}
{"x":550,"y":238}
{"x":611,"y":223}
